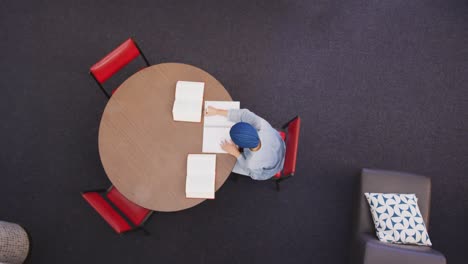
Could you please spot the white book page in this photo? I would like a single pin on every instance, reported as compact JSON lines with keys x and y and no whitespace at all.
{"x":187,"y":111}
{"x":201,"y":195}
{"x":201,"y":164}
{"x":218,"y":120}
{"x":188,"y":101}
{"x":212,"y":138}
{"x":189,"y":91}
{"x":201,"y":170}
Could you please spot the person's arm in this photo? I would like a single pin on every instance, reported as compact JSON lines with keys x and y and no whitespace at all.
{"x":230,"y":148}
{"x":237,"y":115}
{"x":244,"y":115}
{"x":211,"y":111}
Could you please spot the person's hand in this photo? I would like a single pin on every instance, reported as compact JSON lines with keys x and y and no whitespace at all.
{"x":211,"y":111}
{"x":230,"y":148}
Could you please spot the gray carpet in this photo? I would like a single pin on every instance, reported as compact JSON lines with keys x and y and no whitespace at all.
{"x":379,"y":84}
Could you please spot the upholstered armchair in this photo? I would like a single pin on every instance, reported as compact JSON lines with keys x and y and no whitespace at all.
{"x":366,"y":248}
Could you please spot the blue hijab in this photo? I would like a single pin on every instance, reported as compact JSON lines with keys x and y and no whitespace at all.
{"x":244,"y":135}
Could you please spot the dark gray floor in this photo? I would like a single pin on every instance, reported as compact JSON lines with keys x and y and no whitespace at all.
{"x":379,"y":84}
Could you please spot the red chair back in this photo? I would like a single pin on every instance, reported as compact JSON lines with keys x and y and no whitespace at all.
{"x":112,"y":217}
{"x":292,"y":143}
{"x":132,"y":211}
{"x":115,"y":61}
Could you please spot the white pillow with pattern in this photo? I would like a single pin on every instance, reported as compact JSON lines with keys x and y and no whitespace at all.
{"x":397,"y":218}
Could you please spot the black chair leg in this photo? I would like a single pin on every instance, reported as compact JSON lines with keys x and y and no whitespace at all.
{"x":145,"y":231}
{"x":277,"y":185}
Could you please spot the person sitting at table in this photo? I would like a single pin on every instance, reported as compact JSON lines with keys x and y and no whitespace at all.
{"x":263,"y":148}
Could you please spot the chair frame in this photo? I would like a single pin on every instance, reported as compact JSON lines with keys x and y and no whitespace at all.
{"x":135,"y":228}
{"x":141,"y":54}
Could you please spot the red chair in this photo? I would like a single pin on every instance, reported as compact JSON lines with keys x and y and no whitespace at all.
{"x":114,"y":61}
{"x":291,"y":138}
{"x":120,"y":213}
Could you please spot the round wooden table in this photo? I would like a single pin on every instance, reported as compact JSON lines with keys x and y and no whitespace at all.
{"x":143,"y":150}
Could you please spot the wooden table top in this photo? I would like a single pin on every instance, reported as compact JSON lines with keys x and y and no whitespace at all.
{"x":143,"y":151}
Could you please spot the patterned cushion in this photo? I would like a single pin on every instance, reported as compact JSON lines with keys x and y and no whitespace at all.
{"x":397,"y":218}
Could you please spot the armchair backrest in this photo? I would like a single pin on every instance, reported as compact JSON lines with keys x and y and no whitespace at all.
{"x":381,"y":181}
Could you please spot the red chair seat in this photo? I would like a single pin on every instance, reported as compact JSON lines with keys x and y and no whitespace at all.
{"x":277,"y":175}
{"x":282,"y":134}
{"x":134,"y":212}
{"x":112,"y":217}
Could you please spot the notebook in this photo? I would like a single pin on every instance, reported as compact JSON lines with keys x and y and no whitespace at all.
{"x":216,"y":128}
{"x":200,"y":181}
{"x":188,"y":101}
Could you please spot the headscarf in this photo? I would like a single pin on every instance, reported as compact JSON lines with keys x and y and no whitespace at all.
{"x":244,"y":135}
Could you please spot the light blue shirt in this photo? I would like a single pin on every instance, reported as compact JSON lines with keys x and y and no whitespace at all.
{"x":269,"y":159}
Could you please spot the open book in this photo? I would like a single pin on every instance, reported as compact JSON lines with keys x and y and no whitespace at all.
{"x":188,"y":101}
{"x":216,"y":128}
{"x":200,"y":181}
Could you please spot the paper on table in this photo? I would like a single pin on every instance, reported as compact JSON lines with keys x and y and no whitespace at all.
{"x":216,"y":128}
{"x":219,"y":120}
{"x":212,"y":138}
{"x":200,"y":181}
